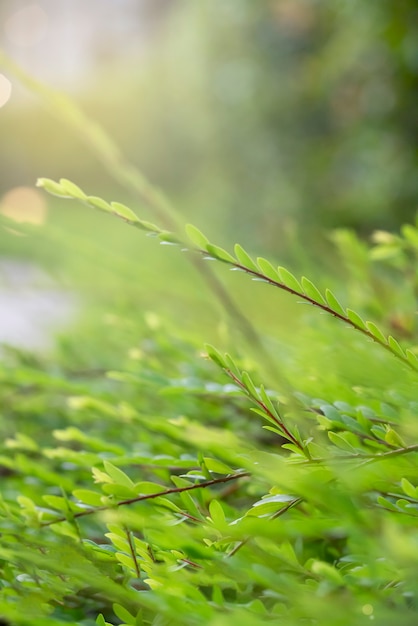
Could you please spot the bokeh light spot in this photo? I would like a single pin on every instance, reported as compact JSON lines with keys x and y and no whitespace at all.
{"x":24,"y":204}
{"x":367,"y":609}
{"x":5,"y":90}
{"x":27,"y":26}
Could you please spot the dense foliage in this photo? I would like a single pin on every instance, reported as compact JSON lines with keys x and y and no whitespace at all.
{"x":178,"y":488}
{"x":199,"y":449}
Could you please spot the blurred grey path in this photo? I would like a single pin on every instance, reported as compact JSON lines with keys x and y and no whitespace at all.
{"x":32,"y":306}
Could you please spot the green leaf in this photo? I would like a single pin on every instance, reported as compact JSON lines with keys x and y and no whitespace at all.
{"x":124,"y":615}
{"x":217,"y":514}
{"x":120,"y":543}
{"x":249,"y":385}
{"x":57,"y":502}
{"x":167,"y":237}
{"x":87,"y":496}
{"x":215,"y":355}
{"x":197,"y":237}
{"x":394,"y":345}
{"x":126,"y":560}
{"x":220,"y":253}
{"x":117,"y":475}
{"x":394,"y":438}
{"x":213,"y":465}
{"x":145,"y":488}
{"x":99,"y":203}
{"x":149,"y":226}
{"x":268,"y":402}
{"x":270,"y":505}
{"x":356,"y":319}
{"x":289,"y":280}
{"x":311,"y":291}
{"x":190,"y":504}
{"x":124,"y":212}
{"x":341,"y":441}
{"x":267,"y":269}
{"x":327,"y":571}
{"x":412,"y":358}
{"x":244,"y":258}
{"x":387,"y":504}
{"x":217,"y":596}
{"x":52,"y":187}
{"x":409,"y":489}
{"x":411,"y":234}
{"x":267,"y":417}
{"x":73,"y":190}
{"x":121,"y":492}
{"x":333,"y":303}
{"x":376,"y":332}
{"x":231,"y":365}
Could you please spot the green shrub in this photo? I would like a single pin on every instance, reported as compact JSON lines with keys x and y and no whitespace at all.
{"x":191,"y":492}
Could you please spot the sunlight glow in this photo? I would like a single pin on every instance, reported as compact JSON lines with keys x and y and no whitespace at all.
{"x":24,"y":204}
{"x":5,"y":90}
{"x":27,"y":26}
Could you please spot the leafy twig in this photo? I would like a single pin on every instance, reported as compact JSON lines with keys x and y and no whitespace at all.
{"x":130,"y":177}
{"x":261,"y":270}
{"x":167,"y":492}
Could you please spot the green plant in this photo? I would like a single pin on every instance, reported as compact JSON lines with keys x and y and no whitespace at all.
{"x":191,"y":516}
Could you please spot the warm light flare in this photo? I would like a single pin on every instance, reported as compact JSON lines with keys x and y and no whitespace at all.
{"x":5,"y":90}
{"x":24,"y":204}
{"x":27,"y":26}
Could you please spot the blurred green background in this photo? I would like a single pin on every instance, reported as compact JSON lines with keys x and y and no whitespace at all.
{"x":263,"y":122}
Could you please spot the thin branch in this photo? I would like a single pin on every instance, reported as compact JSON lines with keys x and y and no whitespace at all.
{"x":286,"y":508}
{"x":279,"y":513}
{"x":386,"y":455}
{"x":367,"y":458}
{"x":261,"y":404}
{"x":133,"y":552}
{"x":150,"y":496}
{"x":324,"y":307}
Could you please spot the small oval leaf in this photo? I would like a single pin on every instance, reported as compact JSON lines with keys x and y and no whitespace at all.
{"x":197,"y":237}
{"x":124,"y":212}
{"x":217,"y":513}
{"x":124,"y":615}
{"x":167,"y":237}
{"x":213,"y":465}
{"x":92,"y":498}
{"x":395,"y":347}
{"x":289,"y":280}
{"x":73,"y":190}
{"x":244,"y":258}
{"x":334,"y":303}
{"x":311,"y":291}
{"x":409,"y":489}
{"x":215,"y":355}
{"x":146,"y":488}
{"x":220,"y":253}
{"x":52,"y":187}
{"x":99,"y":203}
{"x":117,"y":475}
{"x":412,"y":358}
{"x":267,"y":269}
{"x":356,"y":319}
{"x":249,"y":385}
{"x":376,"y":332}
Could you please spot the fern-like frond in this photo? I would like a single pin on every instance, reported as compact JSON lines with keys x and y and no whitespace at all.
{"x":261,"y":270}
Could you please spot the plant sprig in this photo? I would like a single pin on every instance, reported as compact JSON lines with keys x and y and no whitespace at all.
{"x":264,"y":404}
{"x":261,"y":269}
{"x":148,"y":496}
